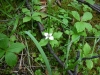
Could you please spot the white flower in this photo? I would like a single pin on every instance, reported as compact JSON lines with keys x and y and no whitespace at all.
{"x":48,"y":36}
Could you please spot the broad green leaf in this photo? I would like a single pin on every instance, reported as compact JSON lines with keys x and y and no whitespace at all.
{"x":16,"y":47}
{"x":41,"y":51}
{"x":97,"y":34}
{"x":97,"y":26}
{"x":65,"y":21}
{"x":11,"y":59}
{"x":90,"y":1}
{"x":87,"y":16}
{"x":82,"y":33}
{"x":57,"y":34}
{"x":54,"y":42}
{"x":76,"y":15}
{"x":88,"y":26}
{"x":43,"y":42}
{"x":12,"y":38}
{"x":69,"y":32}
{"x":36,"y":14}
{"x":86,"y":49}
{"x":1,"y":53}
{"x":50,"y":30}
{"x":94,"y":30}
{"x":26,"y":11}
{"x":75,"y":38}
{"x":80,"y":26}
{"x":26,"y":19}
{"x":89,"y":64}
{"x":37,"y":18}
{"x":4,"y":41}
{"x":86,"y":7}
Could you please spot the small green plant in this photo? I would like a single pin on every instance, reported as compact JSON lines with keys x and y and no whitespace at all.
{"x":38,"y":72}
{"x":51,"y":37}
{"x":9,"y":50}
{"x":87,"y":53}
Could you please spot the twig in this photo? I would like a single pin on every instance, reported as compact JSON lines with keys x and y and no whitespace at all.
{"x":88,"y":58}
{"x":94,"y":6}
{"x":76,"y":67}
{"x":20,"y":64}
{"x":27,"y":4}
{"x":69,"y":72}
{"x":56,"y":57}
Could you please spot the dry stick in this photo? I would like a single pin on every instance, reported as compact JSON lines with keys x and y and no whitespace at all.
{"x":20,"y":64}
{"x":94,"y":6}
{"x":27,"y":4}
{"x":88,"y":58}
{"x":76,"y":67}
{"x":41,"y":28}
{"x":52,"y":52}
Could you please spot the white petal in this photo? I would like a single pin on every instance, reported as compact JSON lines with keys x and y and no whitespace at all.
{"x":46,"y":34}
{"x":51,"y":38}
{"x":46,"y":37}
{"x":50,"y":34}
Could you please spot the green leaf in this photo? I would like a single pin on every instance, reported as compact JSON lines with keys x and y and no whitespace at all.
{"x":36,"y":14}
{"x":86,"y":7}
{"x":75,"y":38}
{"x":57,"y":34}
{"x":86,"y":49}
{"x":41,"y":51}
{"x":62,"y":10}
{"x":94,"y":30}
{"x":82,"y":33}
{"x":37,"y":18}
{"x":97,"y":34}
{"x":11,"y":59}
{"x":88,"y":26}
{"x":65,"y":21}
{"x":16,"y":47}
{"x":50,"y":30}
{"x":26,"y":19}
{"x":80,"y":26}
{"x":90,"y":1}
{"x":4,"y":41}
{"x":12,"y":38}
{"x":69,"y":32}
{"x":89,"y":64}
{"x":26,"y":11}
{"x":54,"y":42}
{"x":87,"y":16}
{"x":1,"y":53}
{"x":97,"y":26}
{"x":76,"y":15}
{"x":43,"y":42}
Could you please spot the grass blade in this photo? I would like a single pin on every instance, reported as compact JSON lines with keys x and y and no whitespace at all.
{"x":41,"y":51}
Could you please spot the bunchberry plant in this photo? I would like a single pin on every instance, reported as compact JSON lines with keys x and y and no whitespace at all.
{"x":9,"y":49}
{"x":51,"y":37}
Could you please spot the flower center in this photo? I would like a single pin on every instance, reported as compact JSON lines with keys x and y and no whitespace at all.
{"x":48,"y":35}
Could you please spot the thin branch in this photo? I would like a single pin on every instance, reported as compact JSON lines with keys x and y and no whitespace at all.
{"x":28,"y":4}
{"x":94,"y":6}
{"x":56,"y":57}
{"x":88,"y":58}
{"x":76,"y":67}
